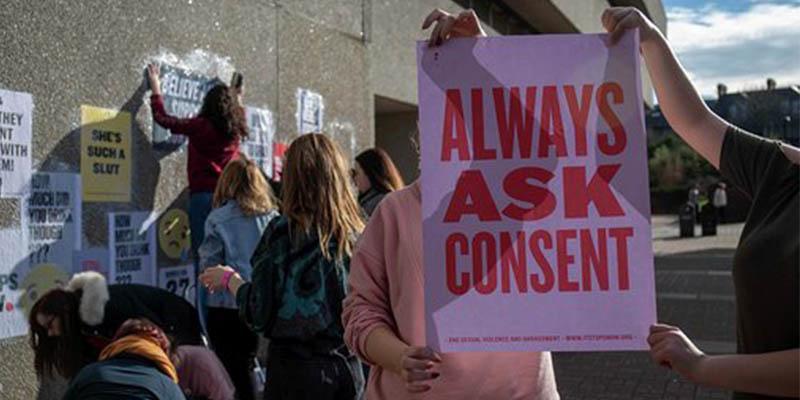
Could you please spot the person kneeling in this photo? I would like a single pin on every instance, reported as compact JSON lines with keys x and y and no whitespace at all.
{"x":135,"y":365}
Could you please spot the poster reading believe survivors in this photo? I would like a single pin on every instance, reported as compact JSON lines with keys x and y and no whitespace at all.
{"x":16,"y":109}
{"x":183,"y":93}
{"x":535,"y":195}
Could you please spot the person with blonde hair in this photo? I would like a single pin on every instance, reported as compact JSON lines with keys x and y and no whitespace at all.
{"x":299,"y":272}
{"x":243,"y":206}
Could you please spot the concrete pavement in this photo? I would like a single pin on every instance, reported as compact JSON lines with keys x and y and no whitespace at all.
{"x":694,"y":290}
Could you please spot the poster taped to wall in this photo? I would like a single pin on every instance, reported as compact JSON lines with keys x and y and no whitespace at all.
{"x":278,"y":153}
{"x":105,"y":154}
{"x":183,"y":93}
{"x":132,"y":247}
{"x":16,"y":116}
{"x":258,"y":145}
{"x":310,"y":111}
{"x":13,"y":267}
{"x":52,"y":215}
{"x":535,"y":200}
{"x":179,"y":280}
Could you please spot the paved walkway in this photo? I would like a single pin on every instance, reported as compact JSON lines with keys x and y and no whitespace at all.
{"x":694,"y":290}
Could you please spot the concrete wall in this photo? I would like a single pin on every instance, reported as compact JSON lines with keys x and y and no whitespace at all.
{"x":67,"y":54}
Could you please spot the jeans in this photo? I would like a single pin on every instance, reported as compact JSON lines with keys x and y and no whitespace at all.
{"x":200,"y":205}
{"x":235,"y":345}
{"x":334,"y":376}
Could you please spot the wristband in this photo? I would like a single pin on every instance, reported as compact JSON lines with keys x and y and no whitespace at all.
{"x":226,"y":278}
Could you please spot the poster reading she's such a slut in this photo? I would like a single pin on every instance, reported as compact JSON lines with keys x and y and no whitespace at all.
{"x":535,"y":195}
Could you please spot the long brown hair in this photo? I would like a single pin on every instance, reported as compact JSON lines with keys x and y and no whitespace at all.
{"x":68,"y":352}
{"x":317,"y":194}
{"x":244,"y":182}
{"x":223,"y":110}
{"x":380,"y":170}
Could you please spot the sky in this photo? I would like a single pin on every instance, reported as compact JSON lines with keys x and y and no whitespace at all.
{"x":736,"y":42}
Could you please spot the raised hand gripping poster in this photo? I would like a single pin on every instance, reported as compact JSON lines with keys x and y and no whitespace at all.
{"x":535,"y":195}
{"x":105,"y":154}
{"x":183,"y":92}
{"x":16,"y":109}
{"x":258,"y":145}
{"x":132,"y":248}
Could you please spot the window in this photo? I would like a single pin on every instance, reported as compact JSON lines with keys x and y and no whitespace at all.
{"x":498,"y":16}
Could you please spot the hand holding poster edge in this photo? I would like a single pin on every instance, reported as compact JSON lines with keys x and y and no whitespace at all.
{"x":482,"y":154}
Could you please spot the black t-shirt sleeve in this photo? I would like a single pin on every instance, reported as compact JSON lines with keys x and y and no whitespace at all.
{"x":745,"y":159}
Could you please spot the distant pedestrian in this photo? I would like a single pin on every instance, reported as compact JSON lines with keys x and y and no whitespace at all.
{"x":694,"y":200}
{"x":720,"y":201}
{"x":375,"y":175}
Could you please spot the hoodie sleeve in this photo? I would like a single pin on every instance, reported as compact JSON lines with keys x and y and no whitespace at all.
{"x":368,"y":305}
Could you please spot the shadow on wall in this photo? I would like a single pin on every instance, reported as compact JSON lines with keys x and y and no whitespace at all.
{"x":145,"y":174}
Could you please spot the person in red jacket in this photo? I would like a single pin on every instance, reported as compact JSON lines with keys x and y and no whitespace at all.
{"x":214,"y":136}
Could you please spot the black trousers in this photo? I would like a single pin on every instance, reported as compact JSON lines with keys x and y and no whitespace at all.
{"x":318,"y":377}
{"x":235,"y":345}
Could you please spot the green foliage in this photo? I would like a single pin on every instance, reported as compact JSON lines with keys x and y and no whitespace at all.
{"x":674,"y":165}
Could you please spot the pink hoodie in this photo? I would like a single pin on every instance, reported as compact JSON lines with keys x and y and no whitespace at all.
{"x":386,"y":289}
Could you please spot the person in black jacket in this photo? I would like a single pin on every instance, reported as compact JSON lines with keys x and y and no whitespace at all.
{"x":135,"y":365}
{"x":69,"y":327}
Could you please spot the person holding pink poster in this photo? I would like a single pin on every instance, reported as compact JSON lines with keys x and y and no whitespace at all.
{"x":384,"y":310}
{"x":765,"y":266}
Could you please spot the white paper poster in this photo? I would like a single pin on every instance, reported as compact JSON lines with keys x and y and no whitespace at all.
{"x":132,"y":247}
{"x":310,"y":111}
{"x":52,"y":214}
{"x":13,"y":266}
{"x":258,"y":146}
{"x":16,"y":110}
{"x":179,"y":281}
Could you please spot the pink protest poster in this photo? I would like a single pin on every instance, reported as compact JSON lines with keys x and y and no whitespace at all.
{"x":535,"y":195}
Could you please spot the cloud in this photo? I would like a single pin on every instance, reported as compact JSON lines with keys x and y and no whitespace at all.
{"x":740,"y":49}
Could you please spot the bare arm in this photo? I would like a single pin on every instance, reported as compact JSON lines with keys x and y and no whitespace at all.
{"x":774,"y":374}
{"x":679,"y":100}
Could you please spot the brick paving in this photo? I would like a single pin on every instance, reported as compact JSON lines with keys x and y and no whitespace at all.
{"x":694,"y":290}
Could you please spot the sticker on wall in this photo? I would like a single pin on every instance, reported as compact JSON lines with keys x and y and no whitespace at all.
{"x":174,"y":236}
{"x":310,"y":111}
{"x":16,"y":110}
{"x":105,"y":154}
{"x":179,"y":281}
{"x":258,"y":145}
{"x":131,"y":247}
{"x":13,"y":265}
{"x":40,"y":280}
{"x":278,"y":151}
{"x":91,"y":259}
{"x":52,"y":215}
{"x":183,"y":92}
